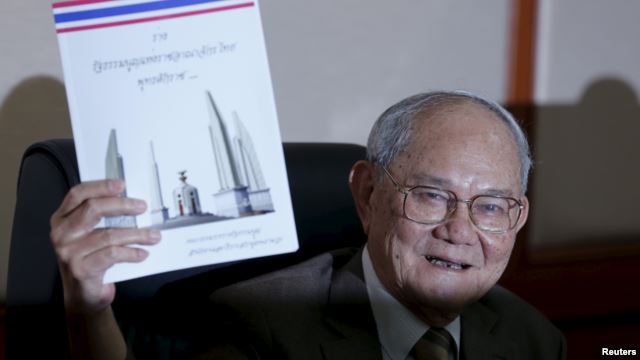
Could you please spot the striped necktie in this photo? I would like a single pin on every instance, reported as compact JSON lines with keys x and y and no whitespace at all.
{"x":436,"y":344}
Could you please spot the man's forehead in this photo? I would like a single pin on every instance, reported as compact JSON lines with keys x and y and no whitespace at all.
{"x":459,"y":140}
{"x":462,"y":124}
{"x":461,"y":114}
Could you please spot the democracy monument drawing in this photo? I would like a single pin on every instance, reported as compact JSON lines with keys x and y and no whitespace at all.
{"x":242,"y":190}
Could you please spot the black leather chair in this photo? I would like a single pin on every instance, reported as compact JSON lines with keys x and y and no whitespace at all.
{"x":325,"y":220}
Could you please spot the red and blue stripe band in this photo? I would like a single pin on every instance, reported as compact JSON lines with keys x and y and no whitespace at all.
{"x":126,"y":9}
{"x":136,"y":9}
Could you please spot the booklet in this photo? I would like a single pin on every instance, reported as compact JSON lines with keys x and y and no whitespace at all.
{"x":174,"y":97}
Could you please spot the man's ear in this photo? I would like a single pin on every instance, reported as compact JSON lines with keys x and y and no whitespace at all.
{"x":524,"y":215}
{"x":361,"y":183}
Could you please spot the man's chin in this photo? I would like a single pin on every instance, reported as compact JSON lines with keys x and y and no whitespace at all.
{"x":447,"y":300}
{"x":453,"y":287}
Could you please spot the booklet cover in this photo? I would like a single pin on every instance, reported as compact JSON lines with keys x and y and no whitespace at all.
{"x":174,"y":97}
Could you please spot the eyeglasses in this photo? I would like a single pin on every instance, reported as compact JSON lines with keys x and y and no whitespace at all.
{"x":430,"y":205}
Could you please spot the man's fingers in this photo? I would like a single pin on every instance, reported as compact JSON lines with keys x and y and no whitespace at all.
{"x":86,"y":190}
{"x":96,"y":208}
{"x":83,"y":262}
{"x":95,"y":264}
{"x":88,"y":214}
{"x":103,"y":248}
{"x":85,"y":253}
{"x":103,"y":238}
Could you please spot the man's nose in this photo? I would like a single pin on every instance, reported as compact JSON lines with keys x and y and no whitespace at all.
{"x":459,"y":228}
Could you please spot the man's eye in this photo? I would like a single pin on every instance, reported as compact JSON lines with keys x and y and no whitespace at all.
{"x":490,"y":209}
{"x":429,"y":195}
{"x":434,"y":195}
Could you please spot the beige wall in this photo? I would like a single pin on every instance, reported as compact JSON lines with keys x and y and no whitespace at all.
{"x":336,"y":65}
{"x":32,"y":99}
{"x":580,"y":42}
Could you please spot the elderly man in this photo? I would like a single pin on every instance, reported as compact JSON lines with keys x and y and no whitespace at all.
{"x":441,"y":197}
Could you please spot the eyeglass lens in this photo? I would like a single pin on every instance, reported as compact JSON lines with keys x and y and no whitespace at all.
{"x":430,"y":205}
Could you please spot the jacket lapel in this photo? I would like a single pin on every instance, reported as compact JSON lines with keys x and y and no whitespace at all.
{"x":349,"y":315}
{"x":478,"y":341}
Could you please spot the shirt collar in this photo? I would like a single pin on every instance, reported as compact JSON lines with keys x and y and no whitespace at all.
{"x":398,"y":328}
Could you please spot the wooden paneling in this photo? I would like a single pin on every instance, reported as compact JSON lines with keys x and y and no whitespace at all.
{"x":522,"y":52}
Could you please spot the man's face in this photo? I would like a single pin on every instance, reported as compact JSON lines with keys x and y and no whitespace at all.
{"x":466,"y":149}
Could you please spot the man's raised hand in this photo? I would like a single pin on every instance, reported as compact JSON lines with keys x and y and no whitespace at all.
{"x":84,"y":253}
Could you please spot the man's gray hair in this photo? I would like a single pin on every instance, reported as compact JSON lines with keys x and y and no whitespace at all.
{"x":392,"y":131}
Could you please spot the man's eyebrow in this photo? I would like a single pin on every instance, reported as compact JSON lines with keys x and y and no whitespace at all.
{"x":431,"y":180}
{"x":498,"y":192}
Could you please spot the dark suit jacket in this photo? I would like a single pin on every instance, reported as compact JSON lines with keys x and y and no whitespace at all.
{"x":320,"y":310}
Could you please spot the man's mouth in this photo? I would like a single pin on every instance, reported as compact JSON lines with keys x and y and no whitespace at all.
{"x":446,"y":263}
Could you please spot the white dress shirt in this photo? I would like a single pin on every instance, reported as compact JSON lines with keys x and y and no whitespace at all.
{"x":398,"y":328}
